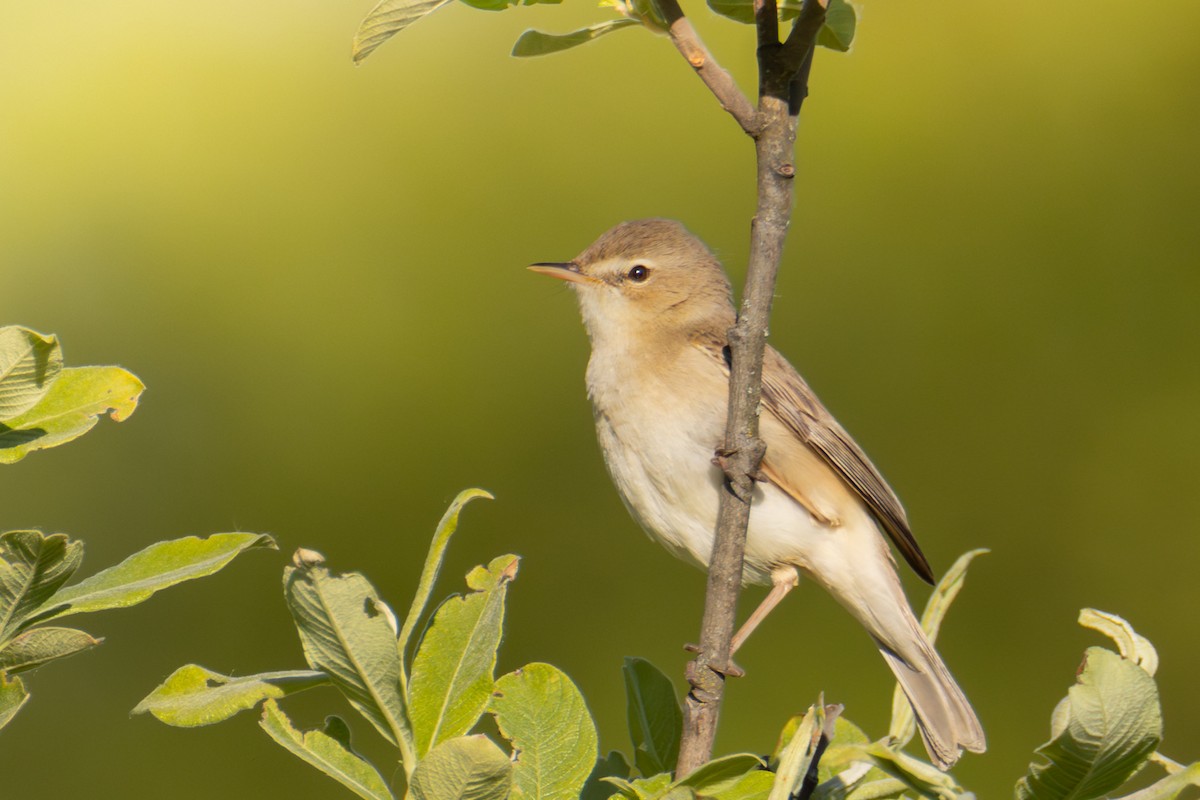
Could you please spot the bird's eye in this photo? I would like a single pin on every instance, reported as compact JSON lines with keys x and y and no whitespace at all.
{"x":639,"y":273}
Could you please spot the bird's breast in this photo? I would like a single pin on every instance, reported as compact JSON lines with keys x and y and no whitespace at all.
{"x":659,"y":432}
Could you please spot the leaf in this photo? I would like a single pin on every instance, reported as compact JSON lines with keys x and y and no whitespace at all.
{"x":613,"y":765}
{"x":32,"y":568}
{"x":29,"y":364}
{"x":452,"y":672}
{"x":1130,"y":643}
{"x":12,"y":697}
{"x":839,"y":771}
{"x":326,"y":753}
{"x":751,"y":786}
{"x":387,"y":19}
{"x":655,"y":719}
{"x":904,"y":724}
{"x":151,"y":570}
{"x":70,"y":409}
{"x":35,"y":647}
{"x":838,"y":31}
{"x":797,"y":756}
{"x":720,"y":774}
{"x":433,"y":564}
{"x":1102,"y":733}
{"x":743,"y":10}
{"x":654,"y":787}
{"x":918,"y":776}
{"x":194,"y":696}
{"x":1170,"y":787}
{"x":347,"y":636}
{"x":542,"y":713}
{"x":537,"y":43}
{"x":466,"y":768}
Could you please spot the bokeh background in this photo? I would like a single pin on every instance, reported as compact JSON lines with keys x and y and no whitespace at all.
{"x":318,"y":272}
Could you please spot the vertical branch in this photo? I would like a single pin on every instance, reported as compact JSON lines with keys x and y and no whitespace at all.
{"x":783,"y":76}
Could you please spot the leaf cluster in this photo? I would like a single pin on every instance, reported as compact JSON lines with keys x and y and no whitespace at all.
{"x":427,"y":699}
{"x":42,"y":405}
{"x":423,"y":698}
{"x":389,"y":17}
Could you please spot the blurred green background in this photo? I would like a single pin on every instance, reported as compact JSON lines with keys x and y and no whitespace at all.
{"x":318,"y":272}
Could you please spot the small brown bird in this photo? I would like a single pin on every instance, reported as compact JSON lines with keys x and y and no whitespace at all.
{"x":657,"y":307}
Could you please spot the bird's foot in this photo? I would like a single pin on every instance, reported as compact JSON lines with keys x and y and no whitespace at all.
{"x":729,"y":669}
{"x":721,"y":459}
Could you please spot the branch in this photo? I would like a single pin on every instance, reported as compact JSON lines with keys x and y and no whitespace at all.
{"x":783,"y":77}
{"x":715,"y":77}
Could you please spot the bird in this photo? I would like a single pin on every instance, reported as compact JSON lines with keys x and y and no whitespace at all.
{"x":657,"y":307}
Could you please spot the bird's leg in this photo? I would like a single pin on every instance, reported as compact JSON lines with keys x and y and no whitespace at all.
{"x":783,"y":580}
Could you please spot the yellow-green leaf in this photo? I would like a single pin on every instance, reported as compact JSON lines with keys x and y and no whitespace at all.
{"x":453,"y":670}
{"x":466,"y":768}
{"x":387,"y":19}
{"x":35,"y":647}
{"x":327,"y":753}
{"x":543,"y":714}
{"x":70,"y":409}
{"x":194,"y":696}
{"x":29,"y":363}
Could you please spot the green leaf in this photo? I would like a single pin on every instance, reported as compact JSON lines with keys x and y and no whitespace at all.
{"x":542,"y":713}
{"x":838,"y":31}
{"x":387,"y":19}
{"x":452,"y":672}
{"x":613,"y":765}
{"x":720,"y":774}
{"x":536,"y":43}
{"x":35,"y":647}
{"x":838,"y":772}
{"x":655,"y":720}
{"x":32,"y":568}
{"x":29,"y":364}
{"x":1102,"y":733}
{"x":1130,"y":643}
{"x":904,"y":724}
{"x":751,"y":786}
{"x":653,"y":787}
{"x":924,"y":779}
{"x":347,"y":635}
{"x":70,"y":409}
{"x":433,"y":564}
{"x":1169,"y":787}
{"x":326,"y":753}
{"x":466,"y":768}
{"x":797,"y":755}
{"x":12,"y":697}
{"x":151,"y":570}
{"x":743,"y":10}
{"x":194,"y":696}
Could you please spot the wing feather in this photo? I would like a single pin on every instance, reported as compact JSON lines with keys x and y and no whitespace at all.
{"x":789,"y":399}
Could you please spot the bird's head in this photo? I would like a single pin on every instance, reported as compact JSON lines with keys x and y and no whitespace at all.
{"x":648,"y":277}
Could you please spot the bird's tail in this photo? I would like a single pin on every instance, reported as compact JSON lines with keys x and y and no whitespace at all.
{"x":946,"y":720}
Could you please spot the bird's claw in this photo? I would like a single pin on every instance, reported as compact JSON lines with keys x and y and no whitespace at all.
{"x":729,"y":669}
{"x":721,"y":460}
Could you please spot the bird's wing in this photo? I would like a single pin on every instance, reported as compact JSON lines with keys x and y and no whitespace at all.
{"x":787,"y":398}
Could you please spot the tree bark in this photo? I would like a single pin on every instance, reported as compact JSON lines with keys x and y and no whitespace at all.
{"x":783,"y":77}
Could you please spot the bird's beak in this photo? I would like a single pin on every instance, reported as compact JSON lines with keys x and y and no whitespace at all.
{"x":563,"y":270}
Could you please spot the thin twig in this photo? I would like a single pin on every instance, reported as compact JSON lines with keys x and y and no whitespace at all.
{"x":783,"y":77}
{"x":715,"y":77}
